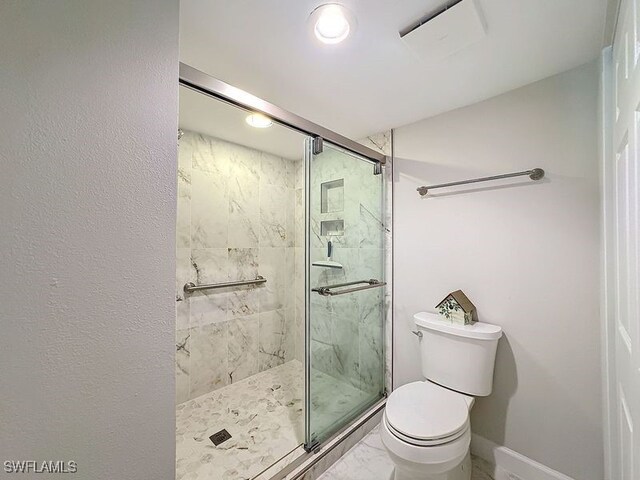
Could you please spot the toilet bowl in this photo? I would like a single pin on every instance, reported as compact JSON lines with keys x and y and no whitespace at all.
{"x":425,"y":427}
{"x":425,"y":430}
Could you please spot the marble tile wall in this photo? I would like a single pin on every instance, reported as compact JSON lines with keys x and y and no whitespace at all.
{"x":383,"y":142}
{"x":236,"y":219}
{"x":299,"y":260}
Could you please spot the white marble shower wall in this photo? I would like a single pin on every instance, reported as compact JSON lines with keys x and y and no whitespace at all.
{"x":383,"y":143}
{"x":236,"y":219}
{"x":347,"y":331}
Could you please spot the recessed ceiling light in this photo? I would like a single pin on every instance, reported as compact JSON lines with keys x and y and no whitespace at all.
{"x":258,"y":120}
{"x":332,"y":23}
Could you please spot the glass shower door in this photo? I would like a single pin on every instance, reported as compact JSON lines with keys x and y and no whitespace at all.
{"x":345,"y":288}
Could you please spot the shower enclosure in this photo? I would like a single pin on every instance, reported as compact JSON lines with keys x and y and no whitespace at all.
{"x":280,"y":340}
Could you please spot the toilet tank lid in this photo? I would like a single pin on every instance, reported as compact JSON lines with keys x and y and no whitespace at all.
{"x":478,"y":330}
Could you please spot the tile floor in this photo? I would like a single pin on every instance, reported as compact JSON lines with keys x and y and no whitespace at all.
{"x":368,"y":460}
{"x":264,"y":415}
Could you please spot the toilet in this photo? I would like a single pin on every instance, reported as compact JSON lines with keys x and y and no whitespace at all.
{"x":425,"y":427}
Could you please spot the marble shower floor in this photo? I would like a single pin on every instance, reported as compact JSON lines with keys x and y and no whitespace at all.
{"x":368,"y":460}
{"x":264,"y":415}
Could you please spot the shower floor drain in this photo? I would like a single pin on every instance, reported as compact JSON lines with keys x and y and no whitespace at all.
{"x":220,"y":437}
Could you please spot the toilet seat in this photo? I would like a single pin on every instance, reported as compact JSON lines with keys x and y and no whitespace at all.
{"x":423,"y":443}
{"x":425,"y":414}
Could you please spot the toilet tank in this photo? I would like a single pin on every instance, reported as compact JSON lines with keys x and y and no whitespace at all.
{"x":459,"y":357}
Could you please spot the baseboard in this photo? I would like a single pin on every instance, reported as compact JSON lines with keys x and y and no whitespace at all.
{"x":510,"y":465}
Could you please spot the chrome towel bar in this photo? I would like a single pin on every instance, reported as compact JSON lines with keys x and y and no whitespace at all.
{"x":192,"y":287}
{"x":535,"y":174}
{"x":326,"y":291}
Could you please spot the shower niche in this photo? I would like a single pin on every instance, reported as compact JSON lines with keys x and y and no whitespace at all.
{"x":332,"y":202}
{"x":332,"y":228}
{"x":332,"y":196}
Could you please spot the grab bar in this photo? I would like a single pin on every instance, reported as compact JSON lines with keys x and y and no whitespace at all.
{"x":192,"y":287}
{"x":326,"y":291}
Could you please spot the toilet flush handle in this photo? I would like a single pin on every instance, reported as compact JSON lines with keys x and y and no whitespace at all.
{"x":417,"y":333}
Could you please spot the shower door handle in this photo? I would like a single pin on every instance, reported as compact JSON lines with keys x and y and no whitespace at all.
{"x":367,"y":284}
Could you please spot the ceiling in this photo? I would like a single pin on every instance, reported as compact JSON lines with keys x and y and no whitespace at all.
{"x":373,"y":81}
{"x":202,"y":114}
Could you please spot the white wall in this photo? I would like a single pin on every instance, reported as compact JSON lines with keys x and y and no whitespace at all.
{"x":525,"y":253}
{"x":87,"y":242}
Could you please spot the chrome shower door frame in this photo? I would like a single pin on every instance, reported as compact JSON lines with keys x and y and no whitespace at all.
{"x":201,"y":82}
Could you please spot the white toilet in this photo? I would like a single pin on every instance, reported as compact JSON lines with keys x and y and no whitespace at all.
{"x":425,"y":426}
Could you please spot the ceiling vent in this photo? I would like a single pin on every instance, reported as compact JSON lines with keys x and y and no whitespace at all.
{"x":446,"y":32}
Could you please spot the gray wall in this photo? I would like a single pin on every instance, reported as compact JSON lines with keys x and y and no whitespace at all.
{"x":525,"y":253}
{"x":87,"y":249}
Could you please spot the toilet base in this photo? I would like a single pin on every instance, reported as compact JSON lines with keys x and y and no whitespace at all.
{"x":461,"y":472}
